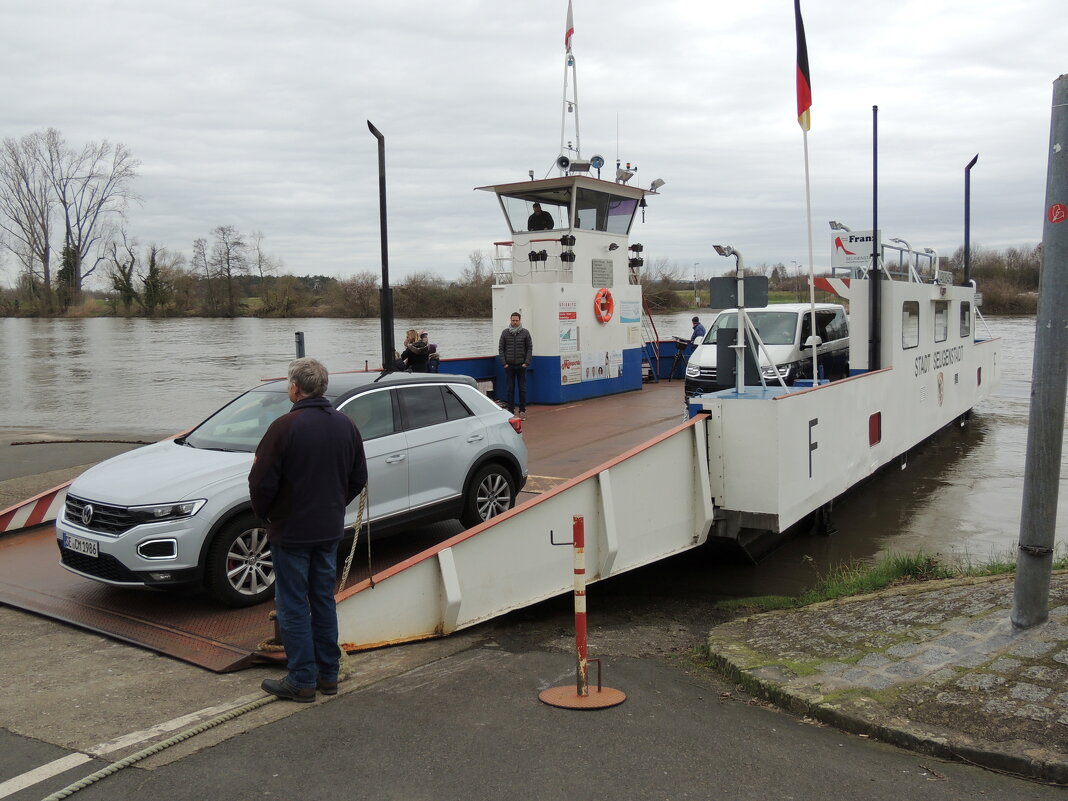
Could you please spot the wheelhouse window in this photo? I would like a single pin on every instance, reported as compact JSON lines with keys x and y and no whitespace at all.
{"x":519,"y":209}
{"x":965,"y":319}
{"x":910,"y":324}
{"x":941,"y":320}
{"x":601,"y":211}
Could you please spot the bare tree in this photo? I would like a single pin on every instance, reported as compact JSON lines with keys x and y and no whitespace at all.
{"x":90,"y":187}
{"x":202,"y":267}
{"x":478,"y":270}
{"x":26,"y":206}
{"x":121,"y":271}
{"x":265,"y":265}
{"x":229,"y":259}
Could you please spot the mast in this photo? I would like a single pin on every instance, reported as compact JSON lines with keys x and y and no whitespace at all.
{"x":569,"y":149}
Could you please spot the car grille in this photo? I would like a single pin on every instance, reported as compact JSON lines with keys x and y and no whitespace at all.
{"x":708,"y":373}
{"x":105,"y":566}
{"x":113,"y":520}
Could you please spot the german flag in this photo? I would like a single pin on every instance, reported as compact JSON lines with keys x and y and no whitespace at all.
{"x":804,"y":85}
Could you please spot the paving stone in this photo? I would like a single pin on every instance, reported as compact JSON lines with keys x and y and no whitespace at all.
{"x":1035,"y":712}
{"x":1022,"y":691}
{"x":874,"y":660}
{"x":1005,"y":665}
{"x":1000,"y":706}
{"x":905,"y":649}
{"x":980,"y":681}
{"x":906,"y":670}
{"x":1032,"y":648}
{"x":943,"y":675}
{"x":971,"y":660}
{"x":934,"y":657}
{"x":954,"y":699}
{"x":1051,"y":676}
{"x":1062,"y":657}
{"x":956,"y":640}
{"x":983,"y":625}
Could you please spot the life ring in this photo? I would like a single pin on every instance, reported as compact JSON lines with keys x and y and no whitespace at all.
{"x":603,"y":305}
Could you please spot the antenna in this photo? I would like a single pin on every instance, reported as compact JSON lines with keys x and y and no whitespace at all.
{"x":570,"y":100}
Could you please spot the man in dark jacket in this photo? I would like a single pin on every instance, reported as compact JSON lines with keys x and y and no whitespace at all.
{"x":309,"y":466}
{"x":515,"y":350}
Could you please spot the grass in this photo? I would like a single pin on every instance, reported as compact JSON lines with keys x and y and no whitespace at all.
{"x":862,"y":578}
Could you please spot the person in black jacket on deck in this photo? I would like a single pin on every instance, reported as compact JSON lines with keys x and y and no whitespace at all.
{"x":416,"y":352}
{"x":309,"y":466}
{"x":515,"y":350}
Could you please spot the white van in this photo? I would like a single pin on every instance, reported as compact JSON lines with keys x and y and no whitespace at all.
{"x":784,"y":328}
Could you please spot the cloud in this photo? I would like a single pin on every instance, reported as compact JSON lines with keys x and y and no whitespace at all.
{"x":254,"y":115}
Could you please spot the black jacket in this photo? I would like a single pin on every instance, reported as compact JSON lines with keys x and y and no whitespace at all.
{"x":515,"y":346}
{"x":309,"y":466}
{"x":415,"y":356}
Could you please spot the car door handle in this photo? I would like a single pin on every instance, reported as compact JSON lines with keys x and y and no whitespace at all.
{"x":397,"y":457}
{"x":476,"y":437}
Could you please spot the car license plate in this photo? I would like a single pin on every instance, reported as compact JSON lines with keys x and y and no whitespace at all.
{"x":81,"y":545}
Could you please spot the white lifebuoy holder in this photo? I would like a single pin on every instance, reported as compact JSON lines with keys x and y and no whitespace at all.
{"x":604,"y":305}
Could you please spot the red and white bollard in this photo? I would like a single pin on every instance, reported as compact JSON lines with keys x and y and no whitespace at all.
{"x":580,"y":697}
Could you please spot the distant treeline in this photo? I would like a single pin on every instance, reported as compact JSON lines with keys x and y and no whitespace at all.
{"x":1008,"y":281}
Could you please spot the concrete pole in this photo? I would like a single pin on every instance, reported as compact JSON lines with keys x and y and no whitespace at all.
{"x":1038,"y":521}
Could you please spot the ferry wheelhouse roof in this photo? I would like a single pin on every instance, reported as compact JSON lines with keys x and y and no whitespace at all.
{"x":591,"y":203}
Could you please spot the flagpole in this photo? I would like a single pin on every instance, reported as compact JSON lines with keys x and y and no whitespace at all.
{"x":811,"y":269}
{"x":804,"y":119}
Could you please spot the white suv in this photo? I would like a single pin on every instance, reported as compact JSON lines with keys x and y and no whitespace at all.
{"x":177,"y":513}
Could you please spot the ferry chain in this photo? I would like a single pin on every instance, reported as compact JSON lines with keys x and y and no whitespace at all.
{"x":155,"y":749}
{"x":115,"y":767}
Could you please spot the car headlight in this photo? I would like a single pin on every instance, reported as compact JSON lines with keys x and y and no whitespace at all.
{"x":166,"y":511}
{"x":692,"y":371}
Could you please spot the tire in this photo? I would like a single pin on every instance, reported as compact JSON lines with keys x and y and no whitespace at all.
{"x":489,"y":493}
{"x":239,"y":569}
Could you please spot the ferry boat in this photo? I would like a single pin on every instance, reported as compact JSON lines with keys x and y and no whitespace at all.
{"x":748,"y":464}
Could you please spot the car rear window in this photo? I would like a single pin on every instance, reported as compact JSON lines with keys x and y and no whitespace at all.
{"x":422,"y":406}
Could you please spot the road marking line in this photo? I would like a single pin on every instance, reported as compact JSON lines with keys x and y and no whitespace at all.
{"x":193,"y":718}
{"x":46,"y":771}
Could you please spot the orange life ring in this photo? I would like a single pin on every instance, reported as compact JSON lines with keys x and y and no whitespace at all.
{"x":603,"y":305}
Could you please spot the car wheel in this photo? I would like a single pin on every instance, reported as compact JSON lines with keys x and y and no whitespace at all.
{"x":239,"y":570}
{"x":491,"y":492}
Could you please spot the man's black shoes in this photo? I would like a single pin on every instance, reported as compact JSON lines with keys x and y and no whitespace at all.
{"x":287,"y":692}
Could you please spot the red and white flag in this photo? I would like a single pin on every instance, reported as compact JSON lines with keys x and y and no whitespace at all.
{"x":570,"y":28}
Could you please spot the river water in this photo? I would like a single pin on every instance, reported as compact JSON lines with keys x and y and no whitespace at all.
{"x":957,"y":494}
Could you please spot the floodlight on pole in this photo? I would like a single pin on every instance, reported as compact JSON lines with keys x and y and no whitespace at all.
{"x":837,"y":226}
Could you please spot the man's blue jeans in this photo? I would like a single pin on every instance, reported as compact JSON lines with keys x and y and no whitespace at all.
{"x":307,"y":614}
{"x":516,"y":373}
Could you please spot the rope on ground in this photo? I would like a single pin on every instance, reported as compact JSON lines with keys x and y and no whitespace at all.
{"x":70,"y":789}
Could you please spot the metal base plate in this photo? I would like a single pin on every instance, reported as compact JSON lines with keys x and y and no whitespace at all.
{"x":567,"y":697}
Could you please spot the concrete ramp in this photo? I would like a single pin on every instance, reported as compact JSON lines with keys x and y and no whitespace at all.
{"x":647,"y":504}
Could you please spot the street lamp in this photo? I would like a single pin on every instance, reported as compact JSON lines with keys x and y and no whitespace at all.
{"x":696,"y":300}
{"x":837,"y":226}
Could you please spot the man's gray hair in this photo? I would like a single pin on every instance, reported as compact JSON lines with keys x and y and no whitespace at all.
{"x":309,"y":375}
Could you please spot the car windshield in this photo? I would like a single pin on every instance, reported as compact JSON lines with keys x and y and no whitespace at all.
{"x":775,"y":328}
{"x":241,"y":424}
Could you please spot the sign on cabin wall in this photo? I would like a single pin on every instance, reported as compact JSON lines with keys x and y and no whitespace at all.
{"x":602,"y":272}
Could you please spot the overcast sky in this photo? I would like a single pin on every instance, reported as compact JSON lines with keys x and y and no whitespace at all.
{"x":255,"y":115}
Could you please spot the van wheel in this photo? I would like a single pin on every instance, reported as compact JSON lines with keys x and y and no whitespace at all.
{"x":240,"y":571}
{"x":490,"y":493}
